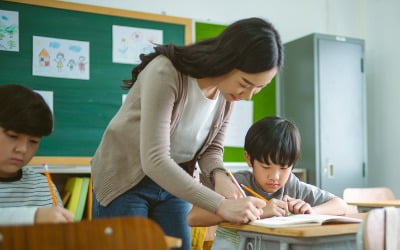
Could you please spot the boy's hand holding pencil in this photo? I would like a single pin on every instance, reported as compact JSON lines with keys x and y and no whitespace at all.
{"x":286,"y":209}
{"x":54,"y":214}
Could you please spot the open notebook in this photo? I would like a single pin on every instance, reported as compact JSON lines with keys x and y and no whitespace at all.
{"x":301,"y":220}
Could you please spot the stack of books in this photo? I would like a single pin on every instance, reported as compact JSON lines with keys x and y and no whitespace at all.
{"x":78,"y":196}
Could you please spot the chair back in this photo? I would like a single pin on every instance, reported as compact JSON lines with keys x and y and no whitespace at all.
{"x":381,"y":229}
{"x":367,"y":194}
{"x":101,"y":234}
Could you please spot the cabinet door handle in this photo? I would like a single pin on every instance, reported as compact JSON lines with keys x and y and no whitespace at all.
{"x":331,"y":170}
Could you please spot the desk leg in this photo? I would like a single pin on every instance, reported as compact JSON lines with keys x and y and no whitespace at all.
{"x":284,"y":246}
{"x":257,"y":241}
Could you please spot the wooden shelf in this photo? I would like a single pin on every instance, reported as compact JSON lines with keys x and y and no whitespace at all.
{"x":62,"y":169}
{"x":61,"y":160}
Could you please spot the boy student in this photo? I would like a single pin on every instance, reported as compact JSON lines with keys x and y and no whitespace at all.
{"x":25,"y":197}
{"x":272,"y":147}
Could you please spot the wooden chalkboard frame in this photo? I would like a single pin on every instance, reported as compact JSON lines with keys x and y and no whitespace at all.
{"x":113,"y":12}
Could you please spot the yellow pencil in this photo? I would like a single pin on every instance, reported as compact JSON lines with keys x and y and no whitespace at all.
{"x":48,"y":177}
{"x":254,"y":192}
{"x":236,"y":183}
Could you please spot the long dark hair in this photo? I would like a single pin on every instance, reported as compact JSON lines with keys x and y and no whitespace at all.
{"x":273,"y":139}
{"x":250,"y":45}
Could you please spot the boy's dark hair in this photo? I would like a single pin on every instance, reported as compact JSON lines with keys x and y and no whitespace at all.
{"x":273,"y":140}
{"x":250,"y":45}
{"x":24,"y":111}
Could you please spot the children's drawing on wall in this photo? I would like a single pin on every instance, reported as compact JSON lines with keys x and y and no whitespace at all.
{"x":129,"y":43}
{"x":48,"y":98}
{"x":9,"y":37}
{"x":241,"y":121}
{"x":61,"y":58}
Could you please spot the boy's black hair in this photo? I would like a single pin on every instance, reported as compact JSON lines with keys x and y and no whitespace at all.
{"x":273,"y":140}
{"x":24,"y":111}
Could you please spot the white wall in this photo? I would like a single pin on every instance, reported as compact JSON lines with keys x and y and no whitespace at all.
{"x":383,"y":86}
{"x":292,"y":18}
{"x":375,"y":21}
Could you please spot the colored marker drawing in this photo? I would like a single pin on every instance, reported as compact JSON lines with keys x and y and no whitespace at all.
{"x":61,"y":58}
{"x":9,"y":36}
{"x":129,"y":43}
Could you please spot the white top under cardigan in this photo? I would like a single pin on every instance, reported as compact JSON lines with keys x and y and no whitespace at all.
{"x":195,"y":123}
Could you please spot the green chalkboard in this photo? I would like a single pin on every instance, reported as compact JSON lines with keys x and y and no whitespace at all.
{"x":264,"y":102}
{"x":82,"y":108}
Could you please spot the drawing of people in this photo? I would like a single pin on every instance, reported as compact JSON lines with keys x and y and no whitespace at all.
{"x":60,"y":60}
{"x":123,"y":46}
{"x":71,"y":64}
{"x":82,"y":63}
{"x":44,"y":58}
{"x":137,"y":45}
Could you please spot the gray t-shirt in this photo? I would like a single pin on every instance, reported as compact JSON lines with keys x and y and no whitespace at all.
{"x":227,"y":239}
{"x":293,"y":188}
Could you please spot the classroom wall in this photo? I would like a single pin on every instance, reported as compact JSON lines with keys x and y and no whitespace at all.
{"x":293,"y":18}
{"x":375,"y":21}
{"x":383,"y":92}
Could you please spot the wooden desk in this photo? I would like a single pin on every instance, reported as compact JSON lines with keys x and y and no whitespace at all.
{"x":365,"y":206}
{"x":333,"y":236}
{"x":101,"y":234}
{"x":388,"y":203}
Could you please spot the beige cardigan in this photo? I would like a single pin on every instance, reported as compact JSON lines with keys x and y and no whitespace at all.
{"x":137,"y":140}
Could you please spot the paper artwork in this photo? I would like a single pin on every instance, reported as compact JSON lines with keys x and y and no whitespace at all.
{"x":303,"y":220}
{"x":129,"y":43}
{"x":9,"y":37}
{"x":48,"y":98}
{"x":240,"y":121}
{"x":61,"y":58}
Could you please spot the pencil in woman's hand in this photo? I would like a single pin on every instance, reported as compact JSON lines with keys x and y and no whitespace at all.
{"x":253,"y":192}
{"x":236,"y":183}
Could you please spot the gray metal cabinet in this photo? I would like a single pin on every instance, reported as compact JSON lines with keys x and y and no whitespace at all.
{"x":322,"y":89}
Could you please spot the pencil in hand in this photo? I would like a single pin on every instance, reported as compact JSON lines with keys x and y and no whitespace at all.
{"x":50,"y":183}
{"x":251,"y":191}
{"x":236,"y":183}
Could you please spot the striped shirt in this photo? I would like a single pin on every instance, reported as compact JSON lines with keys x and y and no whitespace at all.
{"x":20,"y":197}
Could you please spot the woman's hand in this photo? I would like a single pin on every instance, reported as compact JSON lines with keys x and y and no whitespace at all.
{"x":275,"y":207}
{"x":225,"y":186}
{"x":297,"y":206}
{"x":242,"y":210}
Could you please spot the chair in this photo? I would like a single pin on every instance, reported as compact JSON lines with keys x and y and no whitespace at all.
{"x":366,"y":194}
{"x":110,"y":233}
{"x":381,"y":230}
{"x":203,"y":237}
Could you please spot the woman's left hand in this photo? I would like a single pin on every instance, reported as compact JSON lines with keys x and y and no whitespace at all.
{"x":225,"y":186}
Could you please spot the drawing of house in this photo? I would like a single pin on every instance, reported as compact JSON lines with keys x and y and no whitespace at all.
{"x":44,"y":58}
